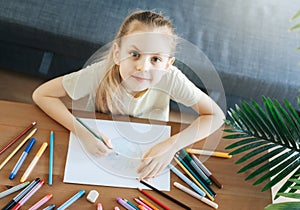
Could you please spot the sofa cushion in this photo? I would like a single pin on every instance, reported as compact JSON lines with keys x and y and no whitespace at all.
{"x":247,"y":41}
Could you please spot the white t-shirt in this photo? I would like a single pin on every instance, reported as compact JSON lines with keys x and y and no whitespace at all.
{"x":154,"y":104}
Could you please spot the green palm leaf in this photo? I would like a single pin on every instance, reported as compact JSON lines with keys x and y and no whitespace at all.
{"x":295,"y":185}
{"x":284,"y":206}
{"x":264,"y":132}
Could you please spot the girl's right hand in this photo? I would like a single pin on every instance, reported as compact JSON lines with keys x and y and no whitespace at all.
{"x":96,"y":147}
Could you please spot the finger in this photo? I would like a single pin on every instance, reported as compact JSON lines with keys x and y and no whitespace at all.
{"x":146,"y":156}
{"x":156,"y":171}
{"x":144,"y":163}
{"x":103,"y":149}
{"x":148,"y":170}
{"x":107,"y":142}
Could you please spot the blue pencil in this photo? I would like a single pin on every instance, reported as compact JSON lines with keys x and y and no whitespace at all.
{"x":51,"y":158}
{"x":21,"y":159}
{"x":71,"y":200}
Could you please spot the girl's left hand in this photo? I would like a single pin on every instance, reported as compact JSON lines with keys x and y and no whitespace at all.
{"x":156,"y":159}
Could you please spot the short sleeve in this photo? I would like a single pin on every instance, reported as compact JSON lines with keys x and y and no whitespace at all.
{"x":181,"y":89}
{"x":84,"y":82}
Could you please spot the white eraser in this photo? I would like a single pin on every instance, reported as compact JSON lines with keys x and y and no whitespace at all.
{"x":92,"y":196}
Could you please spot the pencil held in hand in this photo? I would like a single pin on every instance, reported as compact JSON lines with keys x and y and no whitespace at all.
{"x":93,"y":132}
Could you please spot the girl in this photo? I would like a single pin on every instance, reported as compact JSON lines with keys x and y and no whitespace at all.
{"x":136,"y":78}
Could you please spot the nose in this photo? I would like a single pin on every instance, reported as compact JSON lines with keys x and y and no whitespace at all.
{"x":144,"y":63}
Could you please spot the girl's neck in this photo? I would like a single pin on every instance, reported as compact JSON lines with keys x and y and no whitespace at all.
{"x":135,"y":94}
{"x":140,"y":93}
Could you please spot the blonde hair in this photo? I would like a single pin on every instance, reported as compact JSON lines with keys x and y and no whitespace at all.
{"x":108,"y":87}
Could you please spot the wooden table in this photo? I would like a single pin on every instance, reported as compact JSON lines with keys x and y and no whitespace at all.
{"x":237,"y":194}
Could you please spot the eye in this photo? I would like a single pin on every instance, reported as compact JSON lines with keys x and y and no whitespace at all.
{"x":156,"y":59}
{"x":134,"y":54}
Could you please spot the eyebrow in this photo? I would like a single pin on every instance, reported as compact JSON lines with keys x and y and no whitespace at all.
{"x":135,"y":47}
{"x":155,"y":53}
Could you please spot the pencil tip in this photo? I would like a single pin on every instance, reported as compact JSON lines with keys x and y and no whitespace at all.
{"x":33,"y":123}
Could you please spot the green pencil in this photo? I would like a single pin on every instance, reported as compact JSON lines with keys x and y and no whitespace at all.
{"x":93,"y":132}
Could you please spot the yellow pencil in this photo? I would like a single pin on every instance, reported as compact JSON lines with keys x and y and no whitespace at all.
{"x":209,"y":153}
{"x":17,"y":148}
{"x":193,"y":178}
{"x":34,"y":162}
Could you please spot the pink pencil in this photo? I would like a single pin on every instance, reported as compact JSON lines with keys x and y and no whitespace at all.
{"x":143,"y":204}
{"x":99,"y":206}
{"x":28,"y":195}
{"x":41,"y":202}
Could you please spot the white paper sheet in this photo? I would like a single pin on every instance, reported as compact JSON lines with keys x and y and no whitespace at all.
{"x":130,"y":141}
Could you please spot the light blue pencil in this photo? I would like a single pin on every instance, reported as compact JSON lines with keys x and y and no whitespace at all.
{"x":51,"y":158}
{"x":187,"y":180}
{"x":71,"y":200}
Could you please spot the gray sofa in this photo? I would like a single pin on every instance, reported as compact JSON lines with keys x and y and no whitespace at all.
{"x":247,"y":42}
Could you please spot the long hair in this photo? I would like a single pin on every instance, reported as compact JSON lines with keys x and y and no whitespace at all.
{"x":108,"y":87}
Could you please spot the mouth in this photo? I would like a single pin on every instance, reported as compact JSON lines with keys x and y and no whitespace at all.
{"x":141,"y":79}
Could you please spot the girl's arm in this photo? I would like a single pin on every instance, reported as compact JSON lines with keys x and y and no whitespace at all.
{"x":47,"y":97}
{"x":210,"y":120}
{"x":158,"y":157}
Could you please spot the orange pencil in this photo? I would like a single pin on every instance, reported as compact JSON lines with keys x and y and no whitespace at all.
{"x":148,"y":203}
{"x":141,"y":207}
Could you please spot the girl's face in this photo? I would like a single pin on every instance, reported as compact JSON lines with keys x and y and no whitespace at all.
{"x":143,"y":59}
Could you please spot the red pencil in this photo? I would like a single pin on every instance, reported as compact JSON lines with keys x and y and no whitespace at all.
{"x":154,"y":199}
{"x":16,"y":138}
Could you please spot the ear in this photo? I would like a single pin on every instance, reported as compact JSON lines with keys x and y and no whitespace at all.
{"x":170,"y":62}
{"x":116,"y":53}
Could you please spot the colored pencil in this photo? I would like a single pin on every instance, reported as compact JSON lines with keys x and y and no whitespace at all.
{"x":131,"y":204}
{"x":153,"y":199}
{"x":34,"y":162}
{"x":207,"y":172}
{"x":51,"y":148}
{"x":194,"y":166}
{"x":17,"y":198}
{"x":193,"y":178}
{"x":148,"y":203}
{"x":125,"y":204}
{"x":41,"y":202}
{"x":141,"y":207}
{"x":71,"y":200}
{"x":188,"y":167}
{"x":17,"y":148}
{"x":142,"y":203}
{"x":195,"y":195}
{"x":16,"y":138}
{"x":28,"y":195}
{"x":165,"y":195}
{"x":21,"y":159}
{"x":187,"y":180}
{"x":93,"y":132}
{"x":13,"y":189}
{"x":209,"y":153}
{"x":99,"y":206}
{"x":50,"y":207}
